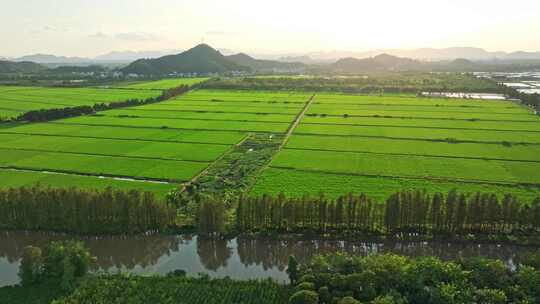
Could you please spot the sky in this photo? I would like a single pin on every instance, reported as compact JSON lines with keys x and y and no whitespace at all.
{"x":92,"y":27}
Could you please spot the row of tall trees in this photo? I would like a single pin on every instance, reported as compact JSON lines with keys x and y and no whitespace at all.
{"x":52,"y":114}
{"x":83,"y":211}
{"x":405,"y":211}
{"x":376,"y":83}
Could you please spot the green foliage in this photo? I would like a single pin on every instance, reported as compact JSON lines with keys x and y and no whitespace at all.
{"x":63,"y":261}
{"x":404,"y":212}
{"x":490,"y":296}
{"x":168,"y":290}
{"x":305,"y":286}
{"x":348,"y":300}
{"x":292,"y":271}
{"x":211,"y":216}
{"x":403,"y":82}
{"x":67,"y":261}
{"x":31,"y":268}
{"x":83,"y":211}
{"x":304,"y":297}
{"x":39,"y":293}
{"x":532,"y":260}
{"x":396,"y":279}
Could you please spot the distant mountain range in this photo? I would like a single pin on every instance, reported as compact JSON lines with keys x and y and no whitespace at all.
{"x":383,"y":62}
{"x":45,"y":58}
{"x":128,"y":56}
{"x":424,"y":54}
{"x":266,"y":65}
{"x":8,"y":67}
{"x":205,"y":59}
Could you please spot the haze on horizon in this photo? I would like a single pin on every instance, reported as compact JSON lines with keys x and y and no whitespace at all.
{"x":93,"y":27}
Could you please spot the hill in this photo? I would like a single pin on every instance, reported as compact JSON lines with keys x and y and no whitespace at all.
{"x":265,"y":65}
{"x":383,"y":62}
{"x":79,"y":69}
{"x":52,"y":59}
{"x":200,"y":59}
{"x":128,"y":56}
{"x":20,"y":67}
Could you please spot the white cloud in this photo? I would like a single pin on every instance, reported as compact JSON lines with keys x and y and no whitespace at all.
{"x":218,"y":33}
{"x":137,"y":36}
{"x":98,"y":35}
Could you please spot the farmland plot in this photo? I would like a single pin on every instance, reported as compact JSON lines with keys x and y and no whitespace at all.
{"x":147,"y":143}
{"x":396,"y":143}
{"x":18,"y":100}
{"x":163,"y":84}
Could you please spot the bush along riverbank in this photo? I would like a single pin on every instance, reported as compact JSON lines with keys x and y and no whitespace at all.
{"x":57,"y":274}
{"x":388,"y":279}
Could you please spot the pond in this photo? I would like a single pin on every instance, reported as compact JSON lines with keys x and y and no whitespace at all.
{"x":236,"y":258}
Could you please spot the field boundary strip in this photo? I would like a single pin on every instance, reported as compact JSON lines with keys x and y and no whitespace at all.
{"x":406,"y":105}
{"x":169,"y":128}
{"x":190,"y":118}
{"x":114,"y":138}
{"x":289,"y":133}
{"x":415,"y":117}
{"x":106,"y":155}
{"x":296,"y":122}
{"x":101,"y":175}
{"x":457,"y":141}
{"x":411,"y":154}
{"x":421,"y":127}
{"x":203,"y":111}
{"x":429,"y":178}
{"x":36,"y":102}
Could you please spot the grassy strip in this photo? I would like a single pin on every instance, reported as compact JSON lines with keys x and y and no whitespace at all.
{"x":416,"y":147}
{"x":11,"y":178}
{"x":195,"y":152}
{"x":180,"y":124}
{"x":102,"y":165}
{"x":411,"y":166}
{"x":436,"y":134}
{"x":126,"y":133}
{"x":295,"y":183}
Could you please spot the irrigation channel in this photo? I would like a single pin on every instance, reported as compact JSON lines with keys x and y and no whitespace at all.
{"x":237,"y":258}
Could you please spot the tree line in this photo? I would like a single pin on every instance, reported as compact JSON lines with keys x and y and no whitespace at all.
{"x":403,"y":212}
{"x":59,"y":113}
{"x":376,"y":83}
{"x":83,"y":211}
{"x":532,"y":100}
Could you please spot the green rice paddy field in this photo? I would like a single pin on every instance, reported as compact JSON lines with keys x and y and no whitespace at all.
{"x":379,"y":145}
{"x":18,"y":100}
{"x":371,"y":144}
{"x":152,"y":147}
{"x":162,"y":84}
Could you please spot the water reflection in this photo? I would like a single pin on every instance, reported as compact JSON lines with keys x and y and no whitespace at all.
{"x":237,"y":258}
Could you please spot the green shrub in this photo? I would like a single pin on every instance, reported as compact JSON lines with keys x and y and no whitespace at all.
{"x":348,"y":300}
{"x":304,"y":297}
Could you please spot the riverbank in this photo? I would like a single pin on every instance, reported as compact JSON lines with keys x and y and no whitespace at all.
{"x":242,"y":258}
